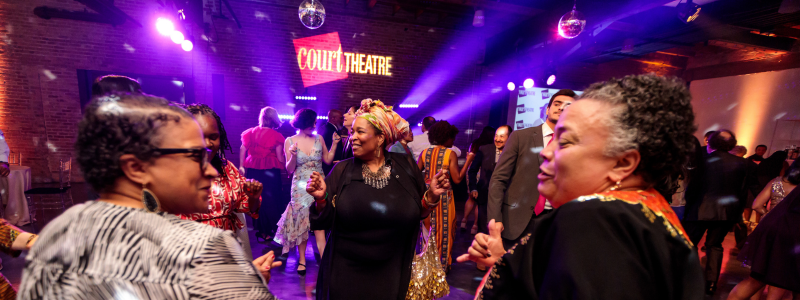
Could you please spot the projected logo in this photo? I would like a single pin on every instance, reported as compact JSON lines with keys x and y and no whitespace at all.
{"x":545,"y":94}
{"x":521,"y":124}
{"x":321,"y":60}
{"x":521,"y":109}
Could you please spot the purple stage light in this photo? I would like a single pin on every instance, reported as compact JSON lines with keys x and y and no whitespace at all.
{"x":187,"y":45}
{"x":164,"y":26}
{"x":551,"y":79}
{"x":176,"y":37}
{"x":511,"y":86}
{"x":528,"y":83}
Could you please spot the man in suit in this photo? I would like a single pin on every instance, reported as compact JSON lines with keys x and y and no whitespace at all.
{"x":716,"y":201}
{"x":485,"y":160}
{"x":335,"y":124}
{"x":513,"y":193}
{"x":349,"y":117}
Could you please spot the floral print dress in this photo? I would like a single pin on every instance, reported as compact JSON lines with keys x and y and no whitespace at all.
{"x":294,"y":225}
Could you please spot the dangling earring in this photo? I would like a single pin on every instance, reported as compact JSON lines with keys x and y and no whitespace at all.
{"x":150,"y":201}
{"x":617,"y":186}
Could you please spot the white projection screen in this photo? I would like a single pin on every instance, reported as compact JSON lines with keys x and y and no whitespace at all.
{"x":527,"y":108}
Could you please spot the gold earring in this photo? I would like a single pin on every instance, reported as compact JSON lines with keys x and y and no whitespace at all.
{"x":617,"y":186}
{"x":150,"y":201}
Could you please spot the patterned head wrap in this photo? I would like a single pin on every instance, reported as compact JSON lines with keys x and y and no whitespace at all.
{"x":388,"y":122}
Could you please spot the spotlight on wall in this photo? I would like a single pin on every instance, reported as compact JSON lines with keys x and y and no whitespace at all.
{"x":306,"y":98}
{"x":187,"y":45}
{"x":479,"y":19}
{"x":164,"y":26}
{"x":528,"y":83}
{"x":551,"y":79}
{"x":176,"y":37}
{"x":511,"y":86}
{"x":688,"y":11}
{"x":409,"y":105}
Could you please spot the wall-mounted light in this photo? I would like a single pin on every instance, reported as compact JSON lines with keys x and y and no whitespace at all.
{"x":306,"y":98}
{"x":409,"y":105}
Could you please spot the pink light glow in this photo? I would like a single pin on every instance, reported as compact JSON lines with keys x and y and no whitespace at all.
{"x":164,"y":26}
{"x":176,"y":37}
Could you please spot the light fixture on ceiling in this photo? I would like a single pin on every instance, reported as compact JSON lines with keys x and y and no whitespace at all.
{"x":311,"y":13}
{"x":528,"y":83}
{"x":572,"y":23}
{"x":479,"y":19}
{"x":688,"y":11}
{"x":511,"y":86}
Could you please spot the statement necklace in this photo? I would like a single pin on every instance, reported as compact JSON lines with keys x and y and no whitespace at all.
{"x":379,"y":179}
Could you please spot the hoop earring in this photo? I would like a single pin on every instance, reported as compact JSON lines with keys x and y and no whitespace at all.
{"x":617,"y":186}
{"x":150,"y":201}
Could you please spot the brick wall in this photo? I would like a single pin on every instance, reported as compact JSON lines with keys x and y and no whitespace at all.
{"x":39,"y":97}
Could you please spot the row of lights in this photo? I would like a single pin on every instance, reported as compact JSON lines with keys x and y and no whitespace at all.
{"x":409,"y":105}
{"x":289,"y":117}
{"x":166,"y":28}
{"x":308,"y":98}
{"x":528,"y":83}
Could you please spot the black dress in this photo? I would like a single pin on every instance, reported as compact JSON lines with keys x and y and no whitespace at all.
{"x":599,"y":248}
{"x":773,"y":249}
{"x":373,"y":232}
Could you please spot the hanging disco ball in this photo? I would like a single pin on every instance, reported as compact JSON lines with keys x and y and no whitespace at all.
{"x":571,"y":24}
{"x":312,"y":14}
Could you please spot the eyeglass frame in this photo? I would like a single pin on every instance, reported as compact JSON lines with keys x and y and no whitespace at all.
{"x":205,"y":156}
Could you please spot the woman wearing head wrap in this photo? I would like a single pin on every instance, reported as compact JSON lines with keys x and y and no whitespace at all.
{"x":372,"y":204}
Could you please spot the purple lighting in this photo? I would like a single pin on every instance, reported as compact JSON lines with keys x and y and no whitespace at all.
{"x":511,"y":86}
{"x":551,"y":79}
{"x":164,"y":26}
{"x":528,"y":83}
{"x":176,"y":37}
{"x":187,"y":45}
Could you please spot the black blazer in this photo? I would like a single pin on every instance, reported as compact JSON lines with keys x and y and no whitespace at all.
{"x":326,"y":131}
{"x":484,"y":162}
{"x":719,"y":193}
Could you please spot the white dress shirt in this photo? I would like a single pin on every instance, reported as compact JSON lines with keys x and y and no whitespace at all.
{"x":421,"y":143}
{"x":4,"y":150}
{"x":547,"y":136}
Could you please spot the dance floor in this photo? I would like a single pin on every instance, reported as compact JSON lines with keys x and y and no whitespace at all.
{"x":463,"y":278}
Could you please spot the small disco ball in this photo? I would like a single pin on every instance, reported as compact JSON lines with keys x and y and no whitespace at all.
{"x":571,"y":24}
{"x":312,"y":14}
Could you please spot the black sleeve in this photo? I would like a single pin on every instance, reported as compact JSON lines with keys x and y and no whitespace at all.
{"x":327,"y":135}
{"x":473,"y":170}
{"x":321,"y":220}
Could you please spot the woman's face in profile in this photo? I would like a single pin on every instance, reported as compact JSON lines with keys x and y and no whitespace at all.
{"x":177,"y":180}
{"x":348,"y":119}
{"x":574,"y":164}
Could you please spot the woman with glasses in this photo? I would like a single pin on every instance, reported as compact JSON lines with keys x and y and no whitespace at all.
{"x":231,"y":193}
{"x":148,"y":160}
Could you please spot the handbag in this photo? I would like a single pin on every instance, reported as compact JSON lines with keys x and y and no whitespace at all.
{"x":428,"y":279}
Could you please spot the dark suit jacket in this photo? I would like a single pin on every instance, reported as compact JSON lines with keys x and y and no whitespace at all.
{"x":326,"y":132}
{"x":513,"y":191}
{"x":484,"y":162}
{"x":719,"y":193}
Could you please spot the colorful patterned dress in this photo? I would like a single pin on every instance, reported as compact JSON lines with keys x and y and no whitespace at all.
{"x":227,"y":198}
{"x":443,"y":217}
{"x":8,"y":233}
{"x":294,"y":225}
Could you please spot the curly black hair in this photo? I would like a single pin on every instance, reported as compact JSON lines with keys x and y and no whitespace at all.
{"x":304,"y":118}
{"x":219,"y":161}
{"x":440,"y":132}
{"x":117,"y":124}
{"x":654,"y":115}
{"x":115,"y":83}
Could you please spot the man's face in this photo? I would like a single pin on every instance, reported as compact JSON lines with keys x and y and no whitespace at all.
{"x":500,"y":137}
{"x":559,"y":104}
{"x":760,"y":151}
{"x":336,"y":119}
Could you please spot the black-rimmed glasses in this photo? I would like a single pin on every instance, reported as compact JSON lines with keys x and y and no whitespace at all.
{"x":203,"y":153}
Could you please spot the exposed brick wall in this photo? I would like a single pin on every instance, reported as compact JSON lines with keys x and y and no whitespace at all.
{"x":39,"y":97}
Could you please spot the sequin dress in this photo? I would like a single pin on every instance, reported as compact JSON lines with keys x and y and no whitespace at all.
{"x":777,"y":194}
{"x":294,"y":225}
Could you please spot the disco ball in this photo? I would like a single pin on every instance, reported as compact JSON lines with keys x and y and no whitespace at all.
{"x":571,"y":24}
{"x":312,"y":14}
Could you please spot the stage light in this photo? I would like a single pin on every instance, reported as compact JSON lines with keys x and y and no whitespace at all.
{"x":322,"y":117}
{"x":176,"y":37}
{"x":285,"y":117}
{"x":511,"y":86}
{"x":187,"y":45}
{"x":528,"y":83}
{"x":479,"y":19}
{"x":409,"y":105}
{"x":164,"y":26}
{"x":551,"y":79}
{"x":307,"y":98}
{"x":688,"y":11}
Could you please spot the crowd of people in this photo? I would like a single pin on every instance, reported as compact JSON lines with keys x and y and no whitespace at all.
{"x":578,"y":207}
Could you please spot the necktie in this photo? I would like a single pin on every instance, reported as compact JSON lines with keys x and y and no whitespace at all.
{"x":540,"y":204}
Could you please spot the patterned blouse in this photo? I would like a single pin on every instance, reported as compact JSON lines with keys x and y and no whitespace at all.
{"x":227,"y":198}
{"x":8,"y":234}
{"x":99,"y":250}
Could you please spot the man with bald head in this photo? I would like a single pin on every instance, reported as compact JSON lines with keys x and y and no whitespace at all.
{"x":335,"y":124}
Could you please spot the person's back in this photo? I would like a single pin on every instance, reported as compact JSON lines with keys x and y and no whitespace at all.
{"x":98,"y":250}
{"x":723,"y":182}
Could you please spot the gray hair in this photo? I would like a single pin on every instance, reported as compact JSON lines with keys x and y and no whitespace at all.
{"x":621,"y":137}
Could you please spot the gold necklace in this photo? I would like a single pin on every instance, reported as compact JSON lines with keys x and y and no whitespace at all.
{"x":378,"y":179}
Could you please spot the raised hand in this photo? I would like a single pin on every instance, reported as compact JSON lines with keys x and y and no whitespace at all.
{"x":293,"y":149}
{"x":474,"y":194}
{"x":316,"y":186}
{"x":253,"y":188}
{"x":470,"y":157}
{"x":440,"y":183}
{"x":336,"y":138}
{"x":242,"y":171}
{"x":265,"y":263}
{"x":486,"y":249}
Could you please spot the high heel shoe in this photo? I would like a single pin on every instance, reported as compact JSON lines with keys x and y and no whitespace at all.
{"x":464,"y":225}
{"x":301,"y":272}
{"x":474,"y":229}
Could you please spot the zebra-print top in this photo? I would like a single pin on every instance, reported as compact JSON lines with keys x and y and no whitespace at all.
{"x":99,"y":250}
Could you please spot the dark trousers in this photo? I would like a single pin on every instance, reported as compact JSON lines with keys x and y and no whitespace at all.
{"x":481,"y":205}
{"x":715,"y":233}
{"x":272,"y":202}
